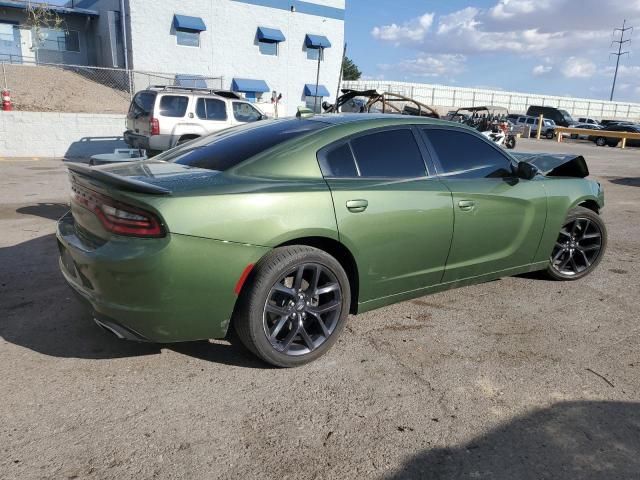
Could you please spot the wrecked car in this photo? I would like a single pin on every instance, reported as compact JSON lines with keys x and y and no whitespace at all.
{"x":280,"y":229}
{"x":372,"y":101}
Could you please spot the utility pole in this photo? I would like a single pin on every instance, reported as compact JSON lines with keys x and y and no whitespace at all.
{"x":620,"y":43}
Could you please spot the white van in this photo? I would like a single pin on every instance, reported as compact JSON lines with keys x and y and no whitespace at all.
{"x":162,"y":117}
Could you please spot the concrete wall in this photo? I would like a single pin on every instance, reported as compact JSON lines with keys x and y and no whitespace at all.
{"x":228,"y":47}
{"x":73,"y":135}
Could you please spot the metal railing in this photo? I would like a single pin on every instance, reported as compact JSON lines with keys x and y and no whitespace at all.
{"x":48,"y":87}
{"x":446,"y":97}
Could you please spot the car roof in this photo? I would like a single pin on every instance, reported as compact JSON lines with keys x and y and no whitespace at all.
{"x":344,"y":118}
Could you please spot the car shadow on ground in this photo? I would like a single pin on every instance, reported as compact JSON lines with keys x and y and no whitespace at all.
{"x":39,"y":311}
{"x":51,"y":211}
{"x":585,"y":440}
{"x":626,"y":181}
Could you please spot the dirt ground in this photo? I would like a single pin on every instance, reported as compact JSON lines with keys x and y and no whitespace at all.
{"x":519,"y":378}
{"x":50,"y":89}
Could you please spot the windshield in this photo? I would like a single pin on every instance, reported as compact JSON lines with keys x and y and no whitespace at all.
{"x":566,"y":116}
{"x":232,"y":146}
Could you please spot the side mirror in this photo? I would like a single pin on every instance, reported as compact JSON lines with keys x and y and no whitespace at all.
{"x":526,"y":171}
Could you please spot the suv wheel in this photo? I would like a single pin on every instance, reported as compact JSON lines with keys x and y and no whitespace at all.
{"x":601,"y":141}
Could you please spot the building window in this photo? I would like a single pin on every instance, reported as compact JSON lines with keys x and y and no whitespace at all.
{"x":58,"y":40}
{"x":188,"y":38}
{"x":313,"y":103}
{"x":268,"y":48}
{"x":314,"y":53}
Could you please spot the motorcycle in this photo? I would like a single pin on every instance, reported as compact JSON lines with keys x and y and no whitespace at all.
{"x":500,"y":135}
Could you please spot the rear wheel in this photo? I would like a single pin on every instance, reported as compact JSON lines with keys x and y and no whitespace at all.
{"x":601,"y":141}
{"x":294,"y":306}
{"x":580,"y":245}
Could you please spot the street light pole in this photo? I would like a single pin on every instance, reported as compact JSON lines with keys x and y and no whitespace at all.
{"x":315,"y":99}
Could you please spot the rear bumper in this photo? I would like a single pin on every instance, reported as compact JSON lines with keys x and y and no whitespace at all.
{"x":153,"y":142}
{"x":172,"y":289}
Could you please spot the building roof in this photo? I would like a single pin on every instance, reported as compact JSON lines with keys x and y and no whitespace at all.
{"x":63,"y":10}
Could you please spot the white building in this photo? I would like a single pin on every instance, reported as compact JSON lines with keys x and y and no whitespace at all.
{"x":256,"y":46}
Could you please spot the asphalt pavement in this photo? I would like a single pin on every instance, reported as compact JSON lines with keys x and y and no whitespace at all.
{"x":519,"y":378}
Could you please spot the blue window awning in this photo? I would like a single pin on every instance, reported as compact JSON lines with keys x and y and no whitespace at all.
{"x":190,"y":24}
{"x":270,"y":35}
{"x":193,"y":81}
{"x":249,"y":85}
{"x":317,"y":41}
{"x":310,"y":90}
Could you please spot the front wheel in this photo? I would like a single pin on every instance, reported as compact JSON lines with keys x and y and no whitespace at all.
{"x":549,"y":135}
{"x":580,"y":245}
{"x":294,"y":306}
{"x":601,"y":141}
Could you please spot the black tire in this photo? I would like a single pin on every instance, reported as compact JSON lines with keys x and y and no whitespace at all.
{"x":587,"y":256}
{"x":510,"y":142}
{"x":601,"y":141}
{"x":549,"y":135}
{"x":251,"y":316}
{"x":184,"y":140}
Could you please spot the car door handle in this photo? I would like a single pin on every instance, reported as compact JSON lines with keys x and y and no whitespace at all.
{"x":466,"y":205}
{"x":357,"y":206}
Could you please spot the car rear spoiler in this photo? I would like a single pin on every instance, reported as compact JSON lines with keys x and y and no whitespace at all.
{"x":125,"y":183}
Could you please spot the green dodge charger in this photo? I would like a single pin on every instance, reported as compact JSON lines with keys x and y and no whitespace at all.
{"x":281,"y":228}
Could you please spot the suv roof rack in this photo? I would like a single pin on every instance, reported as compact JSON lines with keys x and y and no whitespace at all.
{"x":213,"y":91}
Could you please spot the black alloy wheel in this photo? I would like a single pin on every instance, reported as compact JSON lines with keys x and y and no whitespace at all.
{"x":579,"y":247}
{"x":302,"y":309}
{"x":293,"y":306}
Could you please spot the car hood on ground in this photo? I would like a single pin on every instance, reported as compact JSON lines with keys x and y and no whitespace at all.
{"x":555,"y":165}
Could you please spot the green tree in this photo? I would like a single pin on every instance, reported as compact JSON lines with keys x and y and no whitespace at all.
{"x":350,"y":71}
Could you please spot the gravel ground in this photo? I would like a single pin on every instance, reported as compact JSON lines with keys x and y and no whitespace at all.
{"x":514,"y":379}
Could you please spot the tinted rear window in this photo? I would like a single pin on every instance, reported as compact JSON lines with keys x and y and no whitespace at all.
{"x":142,"y":103}
{"x":228,"y":148}
{"x":338,"y":162}
{"x":173,"y":106}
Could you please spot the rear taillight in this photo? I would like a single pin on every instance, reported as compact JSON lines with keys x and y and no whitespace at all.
{"x":117,"y":217}
{"x":154,"y":125}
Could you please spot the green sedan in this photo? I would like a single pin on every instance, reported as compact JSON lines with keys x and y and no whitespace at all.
{"x":281,"y":228}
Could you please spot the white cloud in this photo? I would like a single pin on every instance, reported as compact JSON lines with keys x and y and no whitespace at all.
{"x":464,"y":19}
{"x":425,"y":65}
{"x":541,"y":70}
{"x":576,"y":67}
{"x":413,"y":31}
{"x":506,"y":9}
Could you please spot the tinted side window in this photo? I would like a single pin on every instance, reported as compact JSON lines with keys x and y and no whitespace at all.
{"x":211,"y":109}
{"x":338,"y":162}
{"x":173,"y":106}
{"x":467,"y":156}
{"x":390,"y":153}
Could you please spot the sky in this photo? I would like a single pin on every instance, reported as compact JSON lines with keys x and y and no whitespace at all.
{"x":556,"y":47}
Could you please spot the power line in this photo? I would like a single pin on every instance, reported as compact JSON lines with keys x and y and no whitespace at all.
{"x":620,"y":43}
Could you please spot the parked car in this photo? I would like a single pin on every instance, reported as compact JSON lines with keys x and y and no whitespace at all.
{"x":586,"y":126}
{"x":280,"y":229}
{"x":559,"y":116}
{"x":548,"y":126}
{"x":162,"y":117}
{"x":606,"y":123}
{"x":601,"y":141}
{"x":588,"y":120}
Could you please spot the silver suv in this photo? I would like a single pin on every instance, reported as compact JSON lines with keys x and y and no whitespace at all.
{"x":162,"y":117}
{"x":548,"y":126}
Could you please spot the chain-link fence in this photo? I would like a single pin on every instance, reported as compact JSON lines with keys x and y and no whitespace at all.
{"x":445,"y":98}
{"x":82,"y":89}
